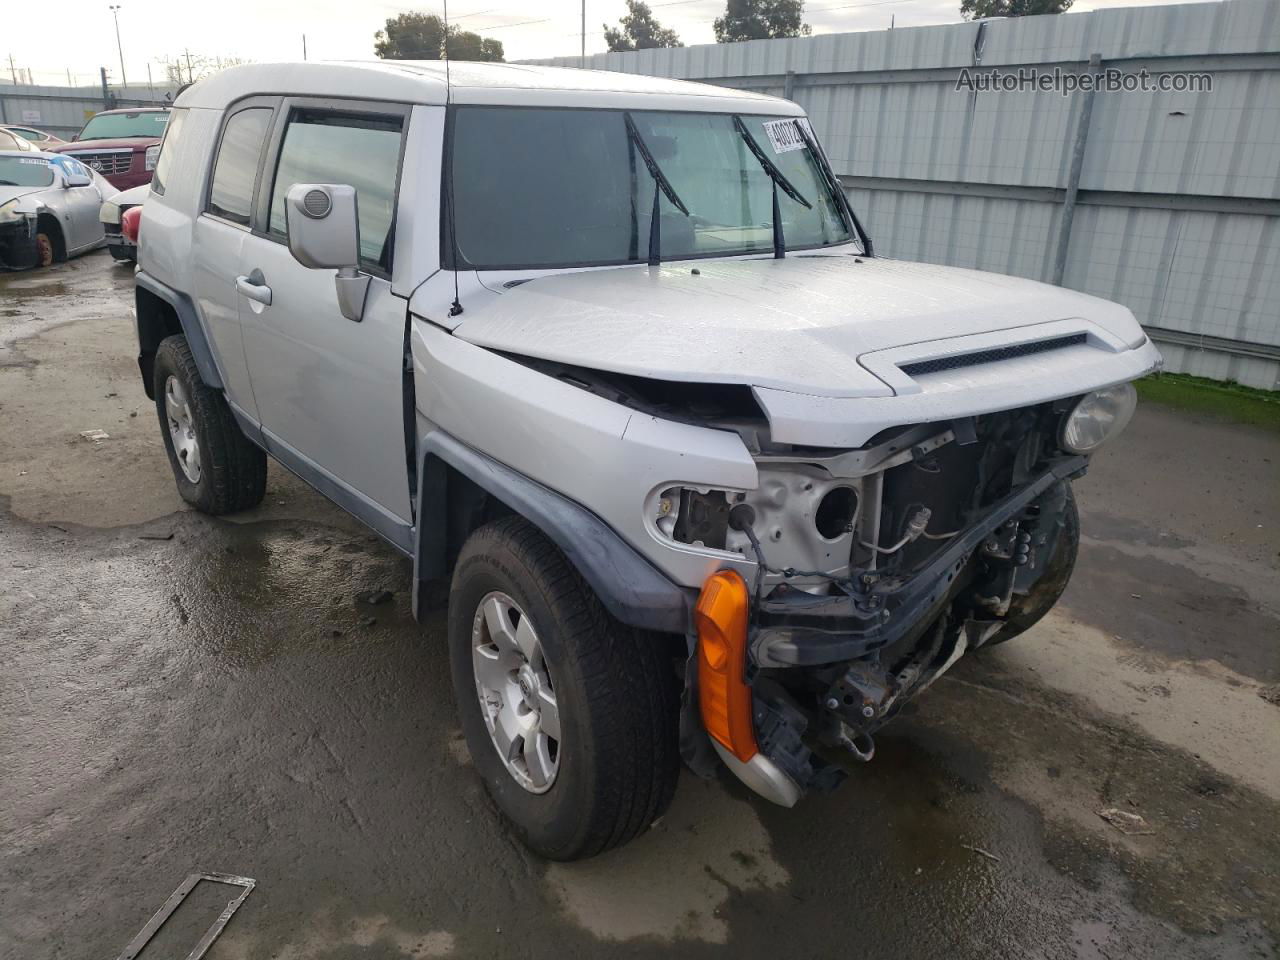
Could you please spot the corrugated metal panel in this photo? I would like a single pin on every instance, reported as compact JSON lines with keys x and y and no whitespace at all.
{"x":1179,"y":206}
{"x":63,"y":110}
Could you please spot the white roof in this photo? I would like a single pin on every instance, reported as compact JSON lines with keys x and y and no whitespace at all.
{"x":423,"y":81}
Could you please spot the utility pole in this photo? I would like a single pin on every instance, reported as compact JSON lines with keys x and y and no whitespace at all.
{"x":69,"y":83}
{"x":190,"y":75}
{"x":304,"y":46}
{"x":106,"y":91}
{"x":151,"y":90}
{"x":584,"y":33}
{"x":115,"y":12}
{"x":13,"y":71}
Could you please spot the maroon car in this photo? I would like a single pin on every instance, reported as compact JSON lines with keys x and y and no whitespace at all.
{"x":122,"y":145}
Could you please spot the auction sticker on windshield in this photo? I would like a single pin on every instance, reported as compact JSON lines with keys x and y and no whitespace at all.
{"x":784,"y":135}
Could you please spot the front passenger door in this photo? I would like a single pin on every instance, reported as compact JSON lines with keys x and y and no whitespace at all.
{"x":330,"y":391}
{"x":81,"y":204}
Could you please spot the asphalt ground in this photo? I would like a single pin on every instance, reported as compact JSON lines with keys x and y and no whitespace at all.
{"x":182,"y":694}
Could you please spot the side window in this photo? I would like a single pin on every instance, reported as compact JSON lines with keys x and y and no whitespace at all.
{"x":168,"y":149}
{"x":8,"y":141}
{"x":362,"y":151}
{"x":236,"y":167}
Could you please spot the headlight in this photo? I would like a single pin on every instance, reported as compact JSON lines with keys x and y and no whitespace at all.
{"x":9,"y":211}
{"x":1098,"y":417}
{"x":153,"y":154}
{"x":109,"y":213}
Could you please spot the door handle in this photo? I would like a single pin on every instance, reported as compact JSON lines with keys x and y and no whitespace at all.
{"x":254,"y":286}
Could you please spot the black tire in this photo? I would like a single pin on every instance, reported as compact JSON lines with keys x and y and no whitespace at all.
{"x":1027,"y":610}
{"x":616,"y":692}
{"x":122,"y":253}
{"x":233,"y":473}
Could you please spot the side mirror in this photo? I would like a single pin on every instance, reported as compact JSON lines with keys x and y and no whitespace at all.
{"x":324,"y":234}
{"x":77,"y":180}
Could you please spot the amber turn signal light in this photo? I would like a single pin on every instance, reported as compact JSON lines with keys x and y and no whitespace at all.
{"x":723,"y":695}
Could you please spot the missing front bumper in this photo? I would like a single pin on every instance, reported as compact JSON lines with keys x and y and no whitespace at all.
{"x":792,"y":628}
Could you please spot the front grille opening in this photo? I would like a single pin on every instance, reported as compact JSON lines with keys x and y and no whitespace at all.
{"x":106,"y":163}
{"x":990,"y":356}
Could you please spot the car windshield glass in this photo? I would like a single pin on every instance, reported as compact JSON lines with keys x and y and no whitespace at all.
{"x":25,"y":172}
{"x":534,"y":187}
{"x":109,"y":126}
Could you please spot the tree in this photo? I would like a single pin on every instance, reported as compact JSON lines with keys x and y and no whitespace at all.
{"x":978,"y":9}
{"x":638,"y":30}
{"x":422,"y":36}
{"x":189,"y":67}
{"x":762,"y":20}
{"x":464,"y":45}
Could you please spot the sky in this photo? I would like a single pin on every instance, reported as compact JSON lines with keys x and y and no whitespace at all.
{"x":76,"y":37}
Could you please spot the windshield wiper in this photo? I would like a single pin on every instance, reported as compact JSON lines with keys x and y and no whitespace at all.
{"x":660,"y":182}
{"x":779,"y":180}
{"x":833,"y":184}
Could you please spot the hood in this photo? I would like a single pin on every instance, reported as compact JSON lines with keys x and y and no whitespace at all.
{"x":88,"y":146}
{"x":131,"y":197}
{"x":799,"y":324}
{"x":9,"y":193}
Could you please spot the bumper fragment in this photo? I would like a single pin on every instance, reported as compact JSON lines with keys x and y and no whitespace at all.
{"x":18,"y":244}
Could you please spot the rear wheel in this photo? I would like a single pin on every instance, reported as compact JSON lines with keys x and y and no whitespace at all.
{"x":1028,"y":609}
{"x":570,"y":717}
{"x":217,"y":469}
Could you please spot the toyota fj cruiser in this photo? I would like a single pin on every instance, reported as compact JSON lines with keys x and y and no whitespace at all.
{"x":711,"y":480}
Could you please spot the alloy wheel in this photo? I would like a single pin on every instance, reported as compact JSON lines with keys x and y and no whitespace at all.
{"x":517,"y":697}
{"x":182,"y":429}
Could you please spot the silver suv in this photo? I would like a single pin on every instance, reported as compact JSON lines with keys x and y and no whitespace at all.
{"x":712,"y":482}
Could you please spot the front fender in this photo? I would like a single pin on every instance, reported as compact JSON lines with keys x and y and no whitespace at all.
{"x":630,"y":587}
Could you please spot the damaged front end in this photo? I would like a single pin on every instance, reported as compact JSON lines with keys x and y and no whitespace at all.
{"x":18,"y":247}
{"x":876,"y":569}
{"x":847,"y":580}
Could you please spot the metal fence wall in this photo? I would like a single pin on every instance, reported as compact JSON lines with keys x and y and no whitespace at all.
{"x":1176,"y":196}
{"x":62,"y":111}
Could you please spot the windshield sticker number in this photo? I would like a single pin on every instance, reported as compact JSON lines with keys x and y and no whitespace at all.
{"x":784,"y":135}
{"x":38,"y":161}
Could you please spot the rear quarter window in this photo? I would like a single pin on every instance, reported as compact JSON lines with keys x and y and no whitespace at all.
{"x":168,"y":150}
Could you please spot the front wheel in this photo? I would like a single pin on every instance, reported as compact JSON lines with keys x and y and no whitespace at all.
{"x":46,"y":252}
{"x":1028,"y":609}
{"x":217,"y":469}
{"x":570,"y":717}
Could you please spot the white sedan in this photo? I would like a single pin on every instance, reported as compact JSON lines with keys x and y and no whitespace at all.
{"x":48,"y":208}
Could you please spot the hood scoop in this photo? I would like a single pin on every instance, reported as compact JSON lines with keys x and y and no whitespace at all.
{"x":956,"y":361}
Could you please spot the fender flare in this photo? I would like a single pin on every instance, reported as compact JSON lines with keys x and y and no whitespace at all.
{"x":192,"y":328}
{"x":630,"y":587}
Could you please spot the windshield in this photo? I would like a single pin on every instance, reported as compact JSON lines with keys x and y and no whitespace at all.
{"x":569,"y":187}
{"x":112,"y":126}
{"x":25,"y":172}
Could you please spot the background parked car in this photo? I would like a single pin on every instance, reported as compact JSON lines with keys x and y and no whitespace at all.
{"x":48,"y":208}
{"x":122,"y":145}
{"x":120,"y":245}
{"x":11,"y":141}
{"x":40,"y":138}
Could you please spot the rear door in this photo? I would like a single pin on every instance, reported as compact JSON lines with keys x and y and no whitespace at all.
{"x":329,"y":390}
{"x":220,"y":232}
